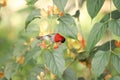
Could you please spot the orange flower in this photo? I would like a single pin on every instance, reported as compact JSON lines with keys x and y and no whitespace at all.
{"x":61,"y":14}
{"x":50,"y":10}
{"x":4,"y":3}
{"x":2,"y":74}
{"x":55,"y":46}
{"x":82,"y":40}
{"x":43,"y":45}
{"x":108,"y":76}
{"x":31,"y":40}
{"x":83,"y":43}
{"x":47,"y":70}
{"x":117,"y":43}
{"x":21,"y":60}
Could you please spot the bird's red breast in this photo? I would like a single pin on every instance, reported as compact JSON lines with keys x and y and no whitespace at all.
{"x":59,"y":38}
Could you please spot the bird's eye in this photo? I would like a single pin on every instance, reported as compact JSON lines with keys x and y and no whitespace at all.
{"x":63,"y":40}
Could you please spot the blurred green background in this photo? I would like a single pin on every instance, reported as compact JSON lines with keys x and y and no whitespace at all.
{"x":14,"y":14}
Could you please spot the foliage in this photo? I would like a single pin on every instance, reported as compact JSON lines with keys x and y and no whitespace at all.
{"x":36,"y":60}
{"x":67,"y":22}
{"x":94,"y":7}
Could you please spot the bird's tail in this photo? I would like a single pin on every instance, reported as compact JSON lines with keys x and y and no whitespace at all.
{"x":39,"y":37}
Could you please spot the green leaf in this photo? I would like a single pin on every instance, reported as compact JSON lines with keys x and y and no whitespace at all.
{"x":114,"y":26}
{"x":82,"y":56}
{"x":32,"y":53}
{"x":115,"y":78}
{"x":67,"y":26}
{"x":94,"y":6}
{"x":5,"y":57}
{"x":10,"y":69}
{"x":95,"y":35}
{"x":36,"y":71}
{"x":60,"y":4}
{"x":33,"y":15}
{"x":31,"y":2}
{"x":106,"y":46}
{"x":20,"y":48}
{"x":29,"y":66}
{"x":34,"y":43}
{"x":114,"y":15}
{"x":69,"y":75}
{"x":32,"y":30}
{"x":117,"y":4}
{"x":3,"y":78}
{"x":99,"y":62}
{"x":55,"y":61}
{"x":116,"y":62}
{"x":117,"y":50}
{"x":6,"y":45}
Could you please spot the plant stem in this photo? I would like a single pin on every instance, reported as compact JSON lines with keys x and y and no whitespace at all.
{"x":71,"y":63}
{"x":110,"y":20}
{"x":110,"y":9}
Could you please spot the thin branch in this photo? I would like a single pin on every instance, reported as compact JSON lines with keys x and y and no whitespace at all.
{"x":110,"y":19}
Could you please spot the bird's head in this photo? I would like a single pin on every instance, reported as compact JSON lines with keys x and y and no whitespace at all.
{"x":59,"y":38}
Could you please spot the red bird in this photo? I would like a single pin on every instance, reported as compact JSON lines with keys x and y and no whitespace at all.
{"x":54,"y":38}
